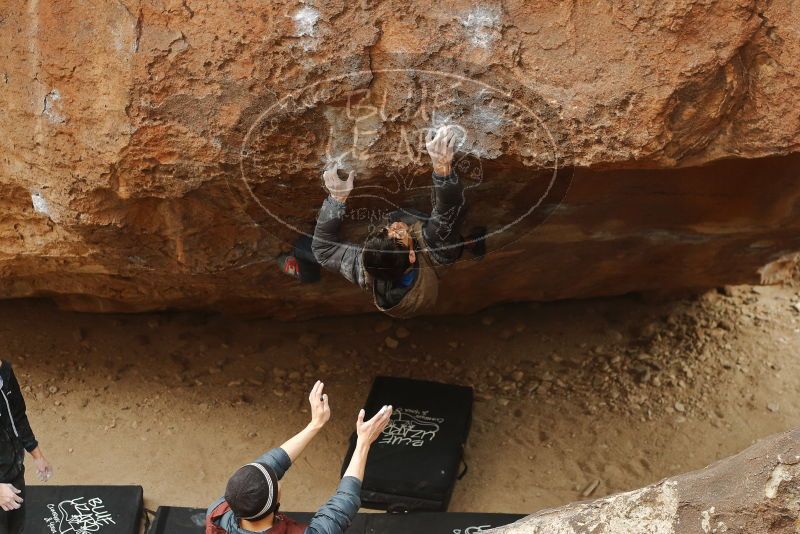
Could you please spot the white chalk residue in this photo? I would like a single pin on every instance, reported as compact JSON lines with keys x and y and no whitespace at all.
{"x":39,"y":203}
{"x":50,"y":110}
{"x":779,"y":474}
{"x":482,"y":25}
{"x":439,"y":119}
{"x":705,"y":522}
{"x":305,"y":21}
{"x":488,"y":117}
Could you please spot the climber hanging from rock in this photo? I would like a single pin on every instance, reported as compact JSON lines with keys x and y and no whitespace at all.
{"x":399,"y":262}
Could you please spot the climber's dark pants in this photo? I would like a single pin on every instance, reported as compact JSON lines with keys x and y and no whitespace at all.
{"x":309,"y":266}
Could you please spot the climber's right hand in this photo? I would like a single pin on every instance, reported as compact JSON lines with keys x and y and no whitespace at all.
{"x":338,"y":188}
{"x":9,"y":497}
{"x":441,"y":148}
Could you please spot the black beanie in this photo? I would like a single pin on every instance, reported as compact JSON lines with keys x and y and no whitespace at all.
{"x":252,"y":491}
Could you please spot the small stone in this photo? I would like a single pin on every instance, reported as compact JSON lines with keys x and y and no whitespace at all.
{"x":649,"y":330}
{"x":279,"y":373}
{"x":728,"y":291}
{"x":796,"y":306}
{"x":53,"y":390}
{"x":279,"y":392}
{"x":590,"y":488}
{"x":508,"y":386}
{"x":391,"y":342}
{"x":294,"y":376}
{"x":487,"y":320}
{"x":70,"y":450}
{"x":402,"y":332}
{"x":517,"y":376}
{"x":453,"y":344}
{"x":234,"y":383}
{"x":656,"y":381}
{"x":502,"y":402}
{"x":773,"y":407}
{"x":679,"y":407}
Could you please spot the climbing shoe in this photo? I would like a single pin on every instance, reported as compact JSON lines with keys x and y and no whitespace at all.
{"x":304,"y":271}
{"x":289,"y":265}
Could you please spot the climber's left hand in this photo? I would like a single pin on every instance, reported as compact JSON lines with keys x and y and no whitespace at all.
{"x":338,"y":188}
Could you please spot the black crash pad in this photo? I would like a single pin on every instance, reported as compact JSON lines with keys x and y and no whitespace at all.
{"x":83,"y":509}
{"x":178,"y":520}
{"x":414,"y":463}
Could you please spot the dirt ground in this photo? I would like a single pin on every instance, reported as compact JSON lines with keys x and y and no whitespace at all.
{"x":611,"y":394}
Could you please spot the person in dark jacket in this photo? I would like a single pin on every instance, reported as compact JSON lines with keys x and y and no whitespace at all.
{"x":252,"y":496}
{"x":16,"y":437}
{"x":399,"y":263}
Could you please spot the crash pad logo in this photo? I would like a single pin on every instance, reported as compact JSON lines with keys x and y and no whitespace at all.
{"x":78,"y":516}
{"x":513,"y":157}
{"x":410,"y":428}
{"x":472,"y":530}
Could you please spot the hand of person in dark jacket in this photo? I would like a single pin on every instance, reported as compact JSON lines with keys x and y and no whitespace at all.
{"x":43,"y":468}
{"x":9,"y":498}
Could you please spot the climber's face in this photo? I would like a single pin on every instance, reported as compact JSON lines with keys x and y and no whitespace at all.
{"x":401,"y":232}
